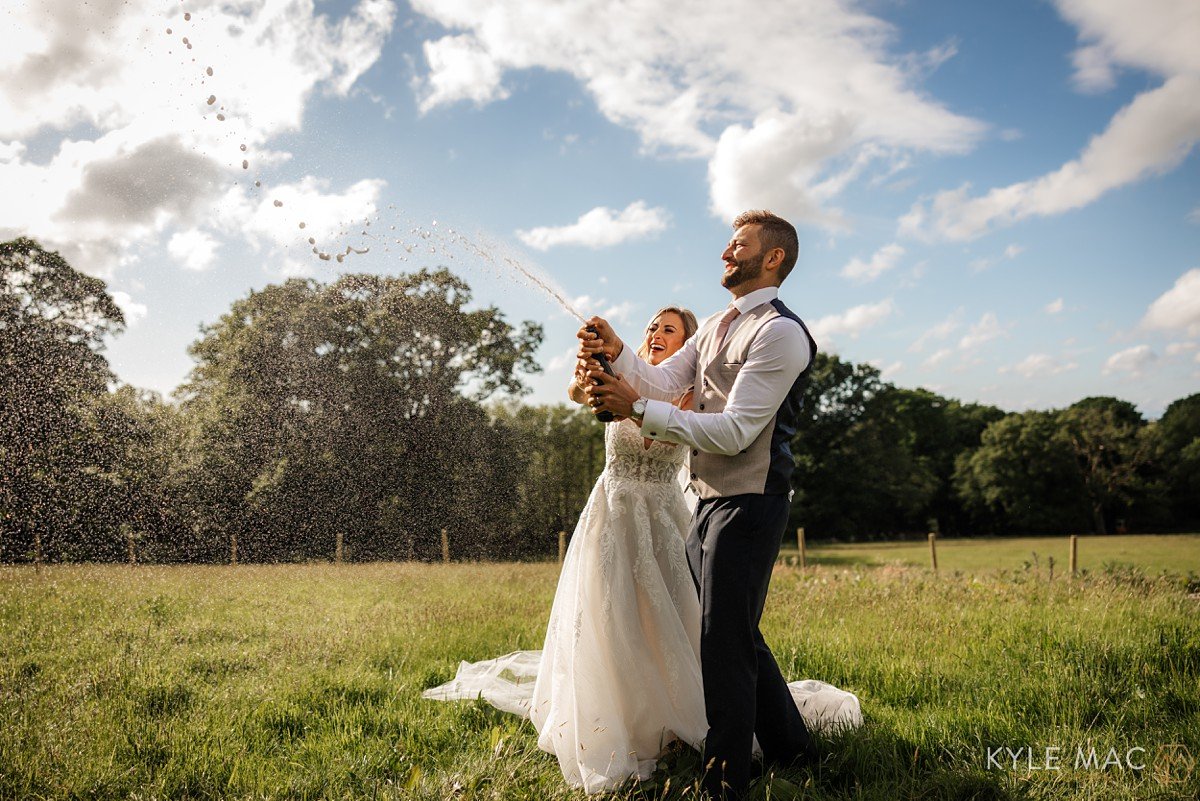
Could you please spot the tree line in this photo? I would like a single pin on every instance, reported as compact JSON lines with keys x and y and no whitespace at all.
{"x":383,"y":409}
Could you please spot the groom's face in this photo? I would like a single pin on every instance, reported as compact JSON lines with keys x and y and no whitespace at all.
{"x":743,"y":257}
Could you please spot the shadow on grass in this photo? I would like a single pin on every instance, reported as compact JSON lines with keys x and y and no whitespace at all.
{"x":870,"y":763}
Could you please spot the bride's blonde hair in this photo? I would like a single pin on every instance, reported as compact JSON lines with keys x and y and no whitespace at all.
{"x":689,"y":326}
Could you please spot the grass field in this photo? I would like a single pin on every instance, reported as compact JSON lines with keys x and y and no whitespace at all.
{"x":1151,"y":553}
{"x":304,"y":681}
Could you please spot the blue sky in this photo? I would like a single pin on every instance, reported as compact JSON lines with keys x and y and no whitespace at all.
{"x":997,"y":201}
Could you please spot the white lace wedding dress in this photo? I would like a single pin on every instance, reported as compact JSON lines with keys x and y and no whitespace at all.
{"x":619,"y":675}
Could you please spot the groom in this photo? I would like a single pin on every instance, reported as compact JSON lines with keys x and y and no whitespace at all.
{"x":748,"y":367}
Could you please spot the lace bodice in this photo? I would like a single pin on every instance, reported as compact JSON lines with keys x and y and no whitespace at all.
{"x":627,"y":457}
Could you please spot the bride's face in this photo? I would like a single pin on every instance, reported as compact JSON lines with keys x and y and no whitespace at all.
{"x":664,"y":336}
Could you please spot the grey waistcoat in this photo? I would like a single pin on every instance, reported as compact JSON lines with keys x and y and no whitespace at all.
{"x":765,"y":467}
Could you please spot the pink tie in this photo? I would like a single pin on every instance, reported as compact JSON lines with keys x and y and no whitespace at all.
{"x":723,"y":328}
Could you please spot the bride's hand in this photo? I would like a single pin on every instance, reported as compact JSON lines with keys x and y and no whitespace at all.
{"x":685,"y":402}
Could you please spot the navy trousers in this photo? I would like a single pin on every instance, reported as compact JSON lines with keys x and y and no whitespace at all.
{"x":731,"y":550}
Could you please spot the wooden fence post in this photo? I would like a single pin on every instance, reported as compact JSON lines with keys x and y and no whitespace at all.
{"x":1074,"y":553}
{"x":233,"y":548}
{"x":337,"y":549}
{"x":801,"y":544}
{"x":933,"y":550}
{"x":445,"y":546}
{"x":562,"y":547}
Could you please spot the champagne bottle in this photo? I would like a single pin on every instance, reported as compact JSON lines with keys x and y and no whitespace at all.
{"x":604,"y":416}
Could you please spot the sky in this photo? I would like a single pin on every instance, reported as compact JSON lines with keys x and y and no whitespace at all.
{"x":999,"y":202}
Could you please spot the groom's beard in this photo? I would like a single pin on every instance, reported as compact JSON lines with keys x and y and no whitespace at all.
{"x":744,"y":270}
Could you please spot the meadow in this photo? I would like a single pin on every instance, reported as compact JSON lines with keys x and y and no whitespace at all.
{"x":304,"y":681}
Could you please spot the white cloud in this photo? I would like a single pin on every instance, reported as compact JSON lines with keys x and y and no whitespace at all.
{"x":146,"y":152}
{"x":621,"y":312}
{"x":327,"y":217}
{"x":601,"y":227}
{"x":132,"y":310}
{"x":938,"y":332}
{"x":937,"y":357}
{"x":1194,"y":215}
{"x":890,"y":371}
{"x":850,"y":323}
{"x":1039,"y":365}
{"x":884,"y":259}
{"x":459,"y":69}
{"x":716,"y":83}
{"x":987,"y":329}
{"x":1133,"y":361}
{"x":194,"y":249}
{"x":563,"y":360}
{"x":1151,"y":135}
{"x":1012,"y":251}
{"x":1180,"y":348}
{"x":1179,"y":307}
{"x":1054,"y":306}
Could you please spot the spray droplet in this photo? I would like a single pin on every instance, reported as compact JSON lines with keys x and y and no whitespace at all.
{"x":212,"y":99}
{"x":323,"y":256}
{"x":245,"y":164}
{"x":208,"y":72}
{"x":435,"y":223}
{"x":220,"y":118}
{"x":341,"y":258}
{"x":185,"y":40}
{"x":312,"y":240}
{"x":189,"y":46}
{"x":168,"y":31}
{"x":258,"y":183}
{"x":278,"y":203}
{"x":301,"y":225}
{"x":187,"y":16}
{"x":243,"y":148}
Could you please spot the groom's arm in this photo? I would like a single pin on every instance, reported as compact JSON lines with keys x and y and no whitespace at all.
{"x":660,"y":384}
{"x":778,"y":355}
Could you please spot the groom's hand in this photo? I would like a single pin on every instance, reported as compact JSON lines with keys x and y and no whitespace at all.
{"x":601,"y":338}
{"x":613,"y":394}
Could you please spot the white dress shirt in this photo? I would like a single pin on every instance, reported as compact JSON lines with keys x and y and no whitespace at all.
{"x":778,"y":354}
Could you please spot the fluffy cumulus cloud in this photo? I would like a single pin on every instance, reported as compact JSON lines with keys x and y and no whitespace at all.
{"x":194,"y":249}
{"x":148,"y":132}
{"x":601,"y":227}
{"x":1131,"y":361}
{"x":1151,"y":135}
{"x":1177,"y":309}
{"x":1039,"y":365}
{"x":1054,"y":307}
{"x":884,"y":259}
{"x":938,"y":332}
{"x":133,"y":311}
{"x":832,"y":328}
{"x":987,"y":329}
{"x":715,"y":83}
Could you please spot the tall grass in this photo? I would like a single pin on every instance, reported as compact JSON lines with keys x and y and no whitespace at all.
{"x":304,"y":681}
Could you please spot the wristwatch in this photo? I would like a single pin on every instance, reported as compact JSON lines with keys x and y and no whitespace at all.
{"x":638,"y":411}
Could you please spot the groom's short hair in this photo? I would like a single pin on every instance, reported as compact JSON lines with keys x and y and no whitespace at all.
{"x":776,"y":232}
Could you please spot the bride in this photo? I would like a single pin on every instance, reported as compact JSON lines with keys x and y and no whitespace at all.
{"x":618,"y":678}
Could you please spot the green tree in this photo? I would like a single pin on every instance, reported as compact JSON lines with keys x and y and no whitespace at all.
{"x":1112,"y":445}
{"x":1179,"y":449}
{"x":559,"y":450}
{"x":1023,"y":475}
{"x":53,"y":323}
{"x":351,"y":409}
